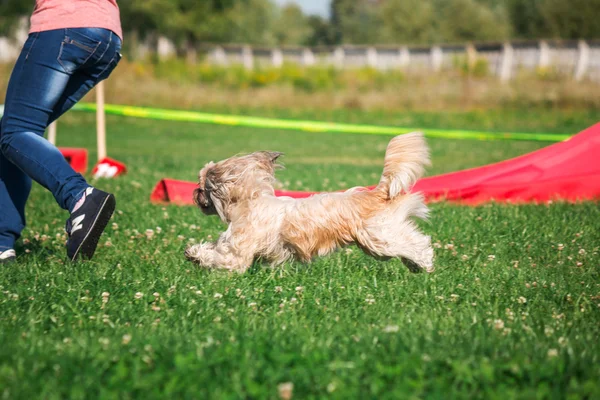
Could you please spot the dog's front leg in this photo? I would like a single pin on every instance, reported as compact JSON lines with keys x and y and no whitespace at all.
{"x":220,"y":255}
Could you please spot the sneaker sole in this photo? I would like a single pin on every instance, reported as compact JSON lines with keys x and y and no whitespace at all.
{"x":88,"y":245}
{"x":8,"y":260}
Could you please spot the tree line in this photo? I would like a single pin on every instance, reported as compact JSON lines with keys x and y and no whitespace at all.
{"x":261,"y":22}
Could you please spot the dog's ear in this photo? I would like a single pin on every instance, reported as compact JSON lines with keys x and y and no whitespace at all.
{"x":202,"y":173}
{"x":270,"y":156}
{"x":274,"y":155}
{"x":202,"y":192}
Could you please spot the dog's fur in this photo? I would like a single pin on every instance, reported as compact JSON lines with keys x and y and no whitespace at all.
{"x":277,"y":229}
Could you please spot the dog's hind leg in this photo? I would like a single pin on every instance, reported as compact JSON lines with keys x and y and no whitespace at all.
{"x":408,"y":244}
{"x":392,"y":233}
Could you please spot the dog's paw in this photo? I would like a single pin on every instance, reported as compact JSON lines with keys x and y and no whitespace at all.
{"x":423,"y":264}
{"x":191,"y":253}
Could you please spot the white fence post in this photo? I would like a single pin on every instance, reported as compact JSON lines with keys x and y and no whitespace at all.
{"x":277,"y":57}
{"x":308,"y":57}
{"x":372,"y":57}
{"x":165,"y":48}
{"x":218,"y":54}
{"x":247,"y":57}
{"x":583,"y":60}
{"x":437,"y":57}
{"x":544,"y":60}
{"x":404,"y":59}
{"x":506,"y":64}
{"x":339,"y":57}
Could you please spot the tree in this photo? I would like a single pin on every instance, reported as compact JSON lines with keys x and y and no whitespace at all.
{"x":355,"y":21}
{"x":574,"y":19}
{"x":291,"y":26}
{"x":408,"y":21}
{"x":11,"y":11}
{"x":322,"y":33}
{"x":462,"y":20}
{"x":251,"y":21}
{"x":525,"y":18}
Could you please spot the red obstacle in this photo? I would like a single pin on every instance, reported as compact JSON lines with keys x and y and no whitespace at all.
{"x":181,"y":192}
{"x":108,"y":168}
{"x":77,"y":158}
{"x":568,"y":171}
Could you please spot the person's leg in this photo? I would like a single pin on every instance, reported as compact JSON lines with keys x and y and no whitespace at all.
{"x":14,"y":190}
{"x":86,"y":77}
{"x":47,"y":81}
{"x":14,"y":183}
{"x":35,"y":87}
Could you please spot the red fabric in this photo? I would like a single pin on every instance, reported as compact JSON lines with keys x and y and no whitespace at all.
{"x":77,"y":158}
{"x":567,"y":171}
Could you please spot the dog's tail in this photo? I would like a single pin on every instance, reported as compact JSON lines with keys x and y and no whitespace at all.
{"x":405,"y":160}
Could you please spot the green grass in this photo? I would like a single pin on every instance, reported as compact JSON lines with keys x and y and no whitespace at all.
{"x":513,"y":310}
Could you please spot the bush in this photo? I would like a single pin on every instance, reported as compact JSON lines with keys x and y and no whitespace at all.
{"x":479,"y":68}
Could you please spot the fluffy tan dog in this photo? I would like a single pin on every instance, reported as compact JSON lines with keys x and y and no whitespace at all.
{"x":277,"y":229}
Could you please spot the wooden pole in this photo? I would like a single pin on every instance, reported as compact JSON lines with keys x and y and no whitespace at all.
{"x":100,"y":121}
{"x":52,"y":133}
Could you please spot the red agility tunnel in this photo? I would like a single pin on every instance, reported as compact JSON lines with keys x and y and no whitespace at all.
{"x":568,"y":171}
{"x":77,"y":158}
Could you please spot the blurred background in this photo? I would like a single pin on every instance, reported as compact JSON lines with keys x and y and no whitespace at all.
{"x":347,"y":54}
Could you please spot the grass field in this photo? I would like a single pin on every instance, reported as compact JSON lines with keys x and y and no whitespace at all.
{"x":513,"y":310}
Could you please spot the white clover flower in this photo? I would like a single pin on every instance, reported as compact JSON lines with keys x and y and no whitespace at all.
{"x":498,"y":324}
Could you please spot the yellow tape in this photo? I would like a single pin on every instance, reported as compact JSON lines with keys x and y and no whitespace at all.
{"x":311,"y":126}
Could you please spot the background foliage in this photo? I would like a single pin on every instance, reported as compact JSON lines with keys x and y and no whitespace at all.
{"x":352,"y":21}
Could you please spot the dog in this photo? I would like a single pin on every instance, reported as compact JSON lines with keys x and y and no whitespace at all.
{"x":261,"y":226}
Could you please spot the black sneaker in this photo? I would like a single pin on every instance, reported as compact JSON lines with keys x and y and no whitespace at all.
{"x":87,"y":222}
{"x":7,"y":256}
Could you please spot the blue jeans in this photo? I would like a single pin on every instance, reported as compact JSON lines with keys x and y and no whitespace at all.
{"x":54,"y":71}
